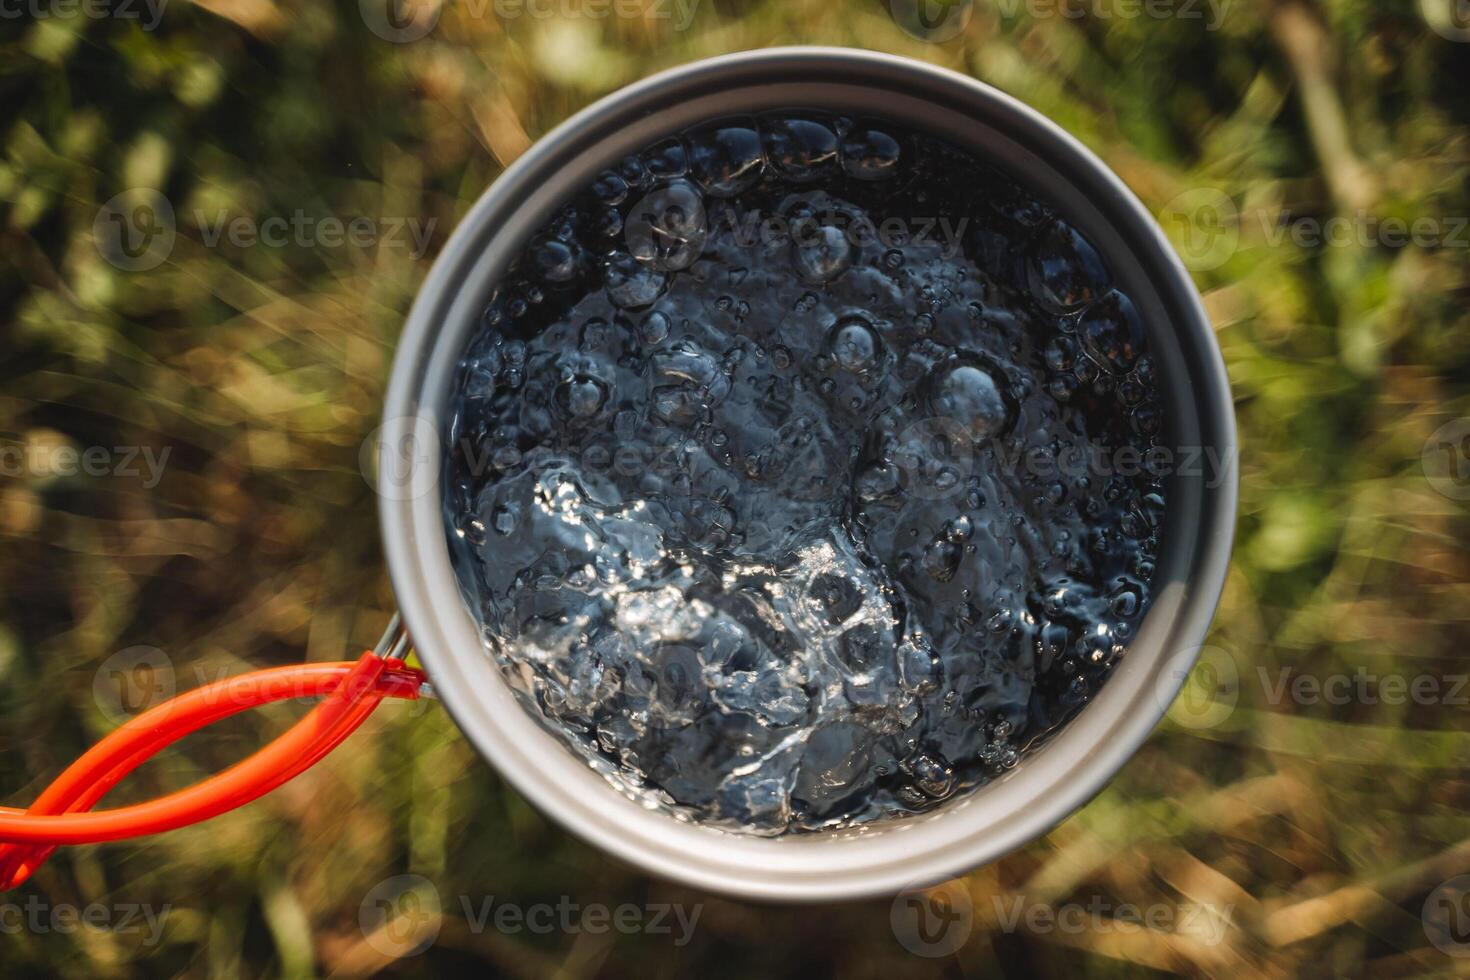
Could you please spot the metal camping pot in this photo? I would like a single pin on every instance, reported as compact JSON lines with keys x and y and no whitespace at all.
{"x":1053,"y":780}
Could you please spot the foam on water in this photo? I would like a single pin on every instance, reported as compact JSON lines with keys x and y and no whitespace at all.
{"x":749,"y":483}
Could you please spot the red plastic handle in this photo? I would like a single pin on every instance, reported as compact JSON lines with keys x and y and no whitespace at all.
{"x":351,"y":690}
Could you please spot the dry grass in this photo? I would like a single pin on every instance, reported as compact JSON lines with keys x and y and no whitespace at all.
{"x":1292,"y":838}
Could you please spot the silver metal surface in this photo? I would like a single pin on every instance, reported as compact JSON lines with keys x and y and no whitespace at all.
{"x":393,"y":644}
{"x":1050,"y":783}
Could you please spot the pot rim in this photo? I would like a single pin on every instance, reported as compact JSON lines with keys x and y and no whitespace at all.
{"x":1052,"y":781}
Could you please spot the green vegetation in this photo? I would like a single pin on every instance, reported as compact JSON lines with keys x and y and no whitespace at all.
{"x":1315,"y":825}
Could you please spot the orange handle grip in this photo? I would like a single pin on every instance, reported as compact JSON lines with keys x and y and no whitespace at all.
{"x":58,"y":816}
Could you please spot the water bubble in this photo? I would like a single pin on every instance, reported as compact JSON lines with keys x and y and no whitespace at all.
{"x":870,"y":154}
{"x":630,"y":283}
{"x":506,"y":457}
{"x":688,"y":383}
{"x":799,"y":149}
{"x":608,"y":223}
{"x":556,"y":261}
{"x":1052,"y":643}
{"x":1061,"y":354}
{"x":581,"y":397}
{"x":667,"y":159}
{"x":726,"y":160}
{"x":821,"y":253}
{"x":1146,"y":420}
{"x":666,"y":230}
{"x":968,"y":393}
{"x":610,"y":187}
{"x":654,"y":328}
{"x":918,"y":668}
{"x":933,"y":775}
{"x":1097,"y":646}
{"x":854,"y":345}
{"x":1125,"y":601}
{"x":941,"y":559}
{"x":1112,"y":332}
{"x":635,"y":173}
{"x":503,"y":519}
{"x":1065,"y":271}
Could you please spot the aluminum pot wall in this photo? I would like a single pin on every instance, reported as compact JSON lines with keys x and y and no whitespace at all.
{"x":1051,"y":782}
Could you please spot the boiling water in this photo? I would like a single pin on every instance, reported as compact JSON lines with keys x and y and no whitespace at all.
{"x":786,"y":480}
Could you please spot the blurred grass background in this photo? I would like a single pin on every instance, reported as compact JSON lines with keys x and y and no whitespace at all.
{"x":1320,"y":827}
